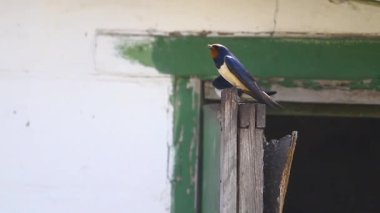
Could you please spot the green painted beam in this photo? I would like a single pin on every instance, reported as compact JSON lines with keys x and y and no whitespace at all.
{"x":186,"y":102}
{"x":288,"y":61}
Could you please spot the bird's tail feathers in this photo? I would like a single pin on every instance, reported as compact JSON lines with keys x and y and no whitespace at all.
{"x":264,"y":98}
{"x":270,"y":102}
{"x":270,"y":92}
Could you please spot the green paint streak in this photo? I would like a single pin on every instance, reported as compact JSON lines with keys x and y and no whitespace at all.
{"x":292,"y":59}
{"x":333,"y":110}
{"x":139,"y":52}
{"x":186,"y":140}
{"x":366,"y":84}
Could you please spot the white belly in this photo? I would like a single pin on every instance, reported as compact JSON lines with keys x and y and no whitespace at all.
{"x":231,"y":78}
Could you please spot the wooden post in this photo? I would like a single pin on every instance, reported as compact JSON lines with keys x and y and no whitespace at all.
{"x":228,"y":152}
{"x":250,"y":158}
{"x":245,"y":168}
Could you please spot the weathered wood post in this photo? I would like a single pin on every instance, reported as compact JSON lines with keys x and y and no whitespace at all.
{"x":250,"y":157}
{"x":228,"y":152}
{"x":252,"y":179}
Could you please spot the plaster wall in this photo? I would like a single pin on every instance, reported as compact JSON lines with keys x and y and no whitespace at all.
{"x":83,"y":131}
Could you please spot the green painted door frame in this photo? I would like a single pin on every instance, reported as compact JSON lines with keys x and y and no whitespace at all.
{"x":291,"y":62}
{"x":187,"y":124}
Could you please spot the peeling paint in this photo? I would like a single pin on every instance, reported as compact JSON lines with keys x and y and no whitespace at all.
{"x":137,"y":49}
{"x":333,"y":84}
{"x":180,"y":139}
{"x":229,"y":34}
{"x":375,"y":3}
{"x":193,"y":142}
{"x":294,"y":62}
{"x":195,"y":85}
{"x":367,"y":81}
{"x":186,"y":140}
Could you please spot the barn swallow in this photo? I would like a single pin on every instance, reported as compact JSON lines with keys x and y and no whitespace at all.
{"x":234,"y":74}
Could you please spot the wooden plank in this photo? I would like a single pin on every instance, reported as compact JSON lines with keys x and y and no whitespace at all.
{"x":286,"y":172}
{"x":259,"y":154}
{"x":228,"y":152}
{"x":259,"y":151}
{"x":324,"y":95}
{"x":277,"y":159}
{"x":260,"y":116}
{"x":251,"y":177}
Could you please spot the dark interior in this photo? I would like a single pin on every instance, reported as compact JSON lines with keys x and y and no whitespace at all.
{"x":336,"y":167}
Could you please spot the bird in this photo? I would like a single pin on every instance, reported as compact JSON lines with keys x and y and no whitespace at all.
{"x":234,"y":74}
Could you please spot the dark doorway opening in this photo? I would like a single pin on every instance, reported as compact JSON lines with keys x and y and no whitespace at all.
{"x":336,"y":167}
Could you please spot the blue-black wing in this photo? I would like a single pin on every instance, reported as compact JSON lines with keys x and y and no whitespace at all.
{"x":221,"y":83}
{"x":247,"y":80}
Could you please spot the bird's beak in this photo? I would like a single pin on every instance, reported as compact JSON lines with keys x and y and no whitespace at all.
{"x":209,"y":46}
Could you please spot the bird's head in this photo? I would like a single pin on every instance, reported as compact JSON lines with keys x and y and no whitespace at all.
{"x":218,"y":52}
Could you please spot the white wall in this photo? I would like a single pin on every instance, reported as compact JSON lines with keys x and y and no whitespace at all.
{"x":83,"y":144}
{"x":73,"y":138}
{"x":76,"y":137}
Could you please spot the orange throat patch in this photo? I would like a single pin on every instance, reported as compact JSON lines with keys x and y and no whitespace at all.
{"x":214,"y":53}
